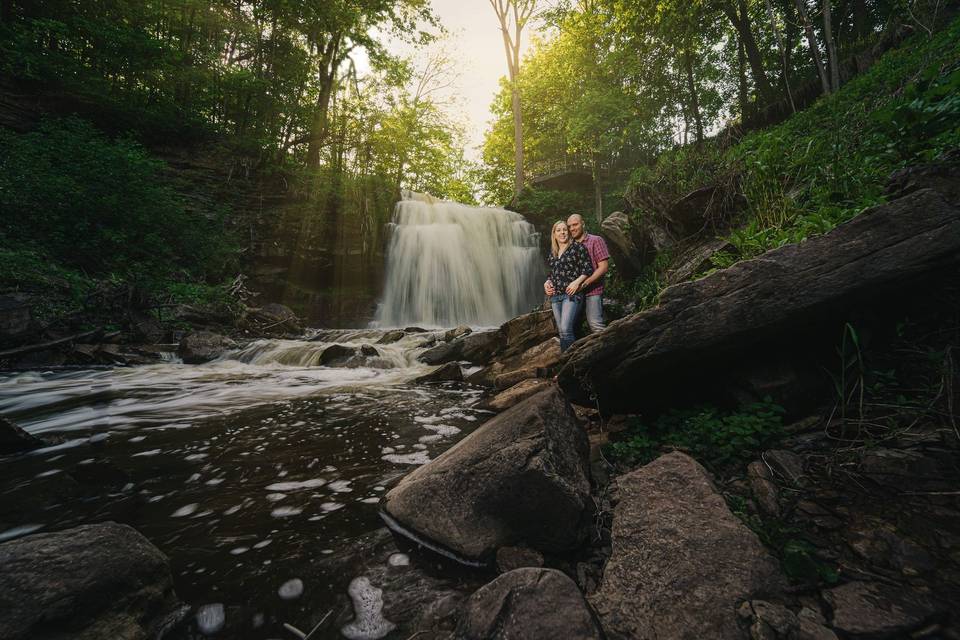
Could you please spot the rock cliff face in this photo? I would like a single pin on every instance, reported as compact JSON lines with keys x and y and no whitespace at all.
{"x":757,"y":306}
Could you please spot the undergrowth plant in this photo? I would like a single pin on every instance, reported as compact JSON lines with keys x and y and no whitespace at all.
{"x":711,"y":435}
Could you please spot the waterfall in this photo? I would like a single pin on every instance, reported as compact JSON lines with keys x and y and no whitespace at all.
{"x":451,"y":264}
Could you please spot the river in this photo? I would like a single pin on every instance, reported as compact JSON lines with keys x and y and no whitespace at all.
{"x":257,"y":474}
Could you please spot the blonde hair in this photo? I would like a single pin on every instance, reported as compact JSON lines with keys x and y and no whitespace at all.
{"x":554,"y":245}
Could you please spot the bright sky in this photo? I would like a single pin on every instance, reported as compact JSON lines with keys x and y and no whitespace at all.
{"x":475,"y":42}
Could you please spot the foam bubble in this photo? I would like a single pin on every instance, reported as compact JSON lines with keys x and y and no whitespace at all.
{"x":291,"y":589}
{"x":368,"y":622}
{"x":210,"y":618}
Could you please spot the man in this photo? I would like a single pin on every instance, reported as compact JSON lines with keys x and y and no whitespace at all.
{"x":593,"y":285}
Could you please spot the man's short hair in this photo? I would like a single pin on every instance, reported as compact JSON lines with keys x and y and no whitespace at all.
{"x":577,"y":216}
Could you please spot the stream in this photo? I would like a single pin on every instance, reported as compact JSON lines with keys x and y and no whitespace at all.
{"x":256,"y":473}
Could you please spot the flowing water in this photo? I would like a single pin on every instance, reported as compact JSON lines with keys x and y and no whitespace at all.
{"x":451,"y":264}
{"x":249,"y":472}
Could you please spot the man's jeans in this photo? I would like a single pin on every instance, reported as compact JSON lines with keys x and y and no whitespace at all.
{"x":566,"y":309}
{"x":594,"y":312}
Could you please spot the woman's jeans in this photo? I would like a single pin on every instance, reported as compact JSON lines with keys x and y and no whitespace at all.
{"x":566,"y":310}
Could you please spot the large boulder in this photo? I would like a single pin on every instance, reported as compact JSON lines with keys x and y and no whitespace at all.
{"x":526,"y":331}
{"x":203,"y":346}
{"x":86,"y":583}
{"x":632,"y":251}
{"x":681,"y":562}
{"x":776,"y":299}
{"x":449,"y":372}
{"x":530,"y":604}
{"x":519,"y":479}
{"x":696,"y":258}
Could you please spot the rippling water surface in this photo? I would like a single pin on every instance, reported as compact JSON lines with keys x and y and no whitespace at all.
{"x":249,"y":472}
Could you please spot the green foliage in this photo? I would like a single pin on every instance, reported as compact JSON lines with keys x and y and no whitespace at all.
{"x":712,"y":436}
{"x":797,"y":556}
{"x":101,"y":207}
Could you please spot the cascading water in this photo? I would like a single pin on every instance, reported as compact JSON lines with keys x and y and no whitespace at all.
{"x":450,"y":264}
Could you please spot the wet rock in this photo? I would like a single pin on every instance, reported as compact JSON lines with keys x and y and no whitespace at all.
{"x":786,"y":465}
{"x":528,"y":603}
{"x":517,"y":393}
{"x":763,"y":489}
{"x":480,"y":346}
{"x":391,"y":336}
{"x":681,"y":562}
{"x":526,"y":331}
{"x":510,"y":558}
{"x":536,"y":361}
{"x":457,"y":332}
{"x":13,"y":439}
{"x":442,"y":353}
{"x":520,"y":478}
{"x":272,"y":319}
{"x":875,"y":610}
{"x":449,"y":372}
{"x":86,"y":583}
{"x":337,"y":355}
{"x":369,"y":350}
{"x":698,"y":325}
{"x":203,"y":346}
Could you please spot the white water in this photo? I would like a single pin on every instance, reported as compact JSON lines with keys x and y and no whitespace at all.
{"x":450,"y":264}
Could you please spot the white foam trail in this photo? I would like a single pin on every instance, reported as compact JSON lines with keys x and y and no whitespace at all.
{"x":451,"y":264}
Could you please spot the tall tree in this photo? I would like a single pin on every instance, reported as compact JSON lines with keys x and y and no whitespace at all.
{"x":813,"y":44}
{"x":513,"y":16}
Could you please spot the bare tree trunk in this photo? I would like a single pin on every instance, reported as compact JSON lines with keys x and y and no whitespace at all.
{"x":521,"y":10}
{"x":814,"y":46}
{"x":783,"y":54}
{"x":742,"y":77}
{"x":694,"y":99}
{"x":860,"y":19}
{"x":597,"y":190}
{"x":831,"y":46}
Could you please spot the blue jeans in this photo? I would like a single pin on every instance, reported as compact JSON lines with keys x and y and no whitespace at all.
{"x":594,"y":309}
{"x":566,"y":309}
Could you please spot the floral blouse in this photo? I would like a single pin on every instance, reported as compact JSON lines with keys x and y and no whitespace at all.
{"x":568,"y":266}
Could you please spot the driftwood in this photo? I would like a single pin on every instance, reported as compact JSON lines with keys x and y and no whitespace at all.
{"x":40,"y":346}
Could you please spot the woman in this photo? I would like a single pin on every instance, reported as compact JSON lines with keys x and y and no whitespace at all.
{"x":569,"y":266}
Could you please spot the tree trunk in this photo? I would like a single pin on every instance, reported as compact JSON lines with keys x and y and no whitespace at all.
{"x":328,"y":66}
{"x":831,"y":46}
{"x":742,"y":77}
{"x":860,"y":18}
{"x":694,"y":99}
{"x":741,"y":22}
{"x":814,"y":46}
{"x":597,"y":190}
{"x":517,"y":140}
{"x":783,"y":54}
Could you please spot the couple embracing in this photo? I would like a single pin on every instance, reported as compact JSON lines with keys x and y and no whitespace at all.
{"x":578,"y":262}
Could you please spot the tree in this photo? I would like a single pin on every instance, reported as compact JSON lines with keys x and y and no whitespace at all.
{"x":513,"y":16}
